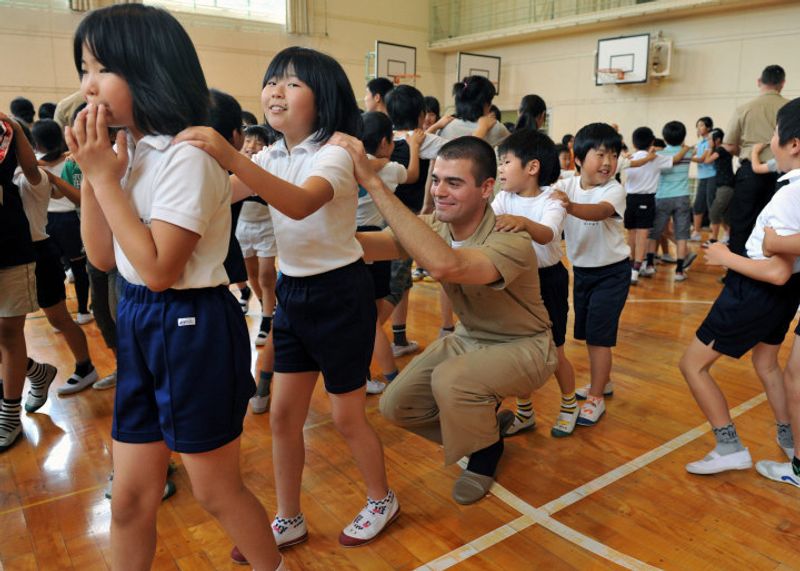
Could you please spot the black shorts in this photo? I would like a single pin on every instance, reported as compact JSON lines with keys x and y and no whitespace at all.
{"x":640,"y":211}
{"x":326,"y":323}
{"x":598,"y":298}
{"x":50,"y":274}
{"x":554,"y":284}
{"x":65,"y":230}
{"x":381,"y":272}
{"x":748,"y":312}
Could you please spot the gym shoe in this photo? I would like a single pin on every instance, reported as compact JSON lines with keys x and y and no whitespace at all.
{"x":8,"y":437}
{"x":76,"y":383}
{"x":37,"y":396}
{"x":370,"y":521}
{"x":375,"y":387}
{"x":591,"y":411}
{"x":70,"y":277}
{"x":680,"y":277}
{"x":696,"y":237}
{"x":714,"y":463}
{"x":294,"y":528}
{"x":107,"y":382}
{"x":647,"y":271}
{"x":565,"y":424}
{"x":689,"y":260}
{"x":418,"y":274}
{"x":84,"y":318}
{"x":400,"y":350}
{"x":259,"y":405}
{"x":261,"y":339}
{"x":583,"y":392}
{"x":634,"y":277}
{"x":778,"y":471}
{"x":520,"y":424}
{"x":668,"y":259}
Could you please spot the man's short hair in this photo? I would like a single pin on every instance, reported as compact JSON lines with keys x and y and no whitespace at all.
{"x":481,"y":153}
{"x":773,"y":75}
{"x":789,"y":122}
{"x":674,"y":133}
{"x":530,"y":144}
{"x":594,"y":136}
{"x":380,"y":86}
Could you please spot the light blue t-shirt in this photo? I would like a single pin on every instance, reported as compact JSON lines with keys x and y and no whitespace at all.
{"x":674,"y":181}
{"x":704,"y":170}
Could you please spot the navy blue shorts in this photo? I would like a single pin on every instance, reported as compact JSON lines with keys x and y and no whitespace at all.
{"x":183,"y":368}
{"x":640,"y":211}
{"x":326,"y":323}
{"x":50,"y":275}
{"x":598,"y":298}
{"x":381,"y":272}
{"x":748,"y":312}
{"x":65,"y":230}
{"x":554,"y":283}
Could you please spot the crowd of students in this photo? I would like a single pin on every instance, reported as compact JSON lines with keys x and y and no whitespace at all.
{"x":181,"y":195}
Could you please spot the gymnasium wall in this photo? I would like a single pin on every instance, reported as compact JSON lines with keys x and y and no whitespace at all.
{"x":716,"y":61}
{"x":36,"y":46}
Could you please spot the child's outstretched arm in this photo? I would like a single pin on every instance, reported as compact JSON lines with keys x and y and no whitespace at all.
{"x":440,"y":124}
{"x":775,"y":270}
{"x":678,"y":157}
{"x":595,"y":212}
{"x":25,"y":155}
{"x":774,"y":243}
{"x":158,"y":253}
{"x":414,"y":139}
{"x":294,"y":201}
{"x":65,"y":188}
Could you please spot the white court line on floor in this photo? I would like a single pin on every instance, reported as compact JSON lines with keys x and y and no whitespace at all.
{"x":542,"y":516}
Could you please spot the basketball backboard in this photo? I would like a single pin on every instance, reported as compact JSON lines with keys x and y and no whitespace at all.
{"x":396,"y":62}
{"x":477,"y":64}
{"x":625,"y":59}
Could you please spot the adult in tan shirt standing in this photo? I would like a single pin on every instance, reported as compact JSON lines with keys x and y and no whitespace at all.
{"x":753,"y":123}
{"x":502,"y":345}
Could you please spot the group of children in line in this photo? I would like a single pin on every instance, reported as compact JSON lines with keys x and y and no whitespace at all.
{"x":156,"y":214}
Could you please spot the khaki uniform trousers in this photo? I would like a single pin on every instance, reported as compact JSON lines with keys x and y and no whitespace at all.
{"x":458,"y":383}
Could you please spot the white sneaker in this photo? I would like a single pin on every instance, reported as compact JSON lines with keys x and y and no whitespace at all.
{"x":696,"y":237}
{"x":583,"y":392}
{"x":647,"y":271}
{"x":35,"y":400}
{"x":591,"y":411}
{"x":259,"y":405}
{"x":289,"y":531}
{"x":261,"y":339}
{"x":8,"y":437}
{"x":76,"y":383}
{"x":714,"y":463}
{"x":521,"y":425}
{"x":400,"y":350}
{"x":107,"y":382}
{"x":680,"y":276}
{"x":69,"y":276}
{"x":778,"y":471}
{"x":634,"y":277}
{"x":84,"y":318}
{"x":565,"y":424}
{"x":375,"y":387}
{"x":370,"y":521}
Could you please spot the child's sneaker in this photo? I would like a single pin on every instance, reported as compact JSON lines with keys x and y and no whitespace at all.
{"x":565,"y":424}
{"x":778,"y":471}
{"x":400,"y":350}
{"x":375,"y":387}
{"x":696,"y":237}
{"x":37,"y":395}
{"x":668,"y":259}
{"x":591,"y":411}
{"x":287,"y":532}
{"x":261,"y":338}
{"x":634,"y":277}
{"x":583,"y":392}
{"x":376,"y":516}
{"x":259,"y":405}
{"x":714,"y":463}
{"x":647,"y":271}
{"x":680,"y":276}
{"x":9,"y":435}
{"x":244,"y":298}
{"x":107,"y":382}
{"x":76,"y":383}
{"x":84,"y":318}
{"x":520,"y":424}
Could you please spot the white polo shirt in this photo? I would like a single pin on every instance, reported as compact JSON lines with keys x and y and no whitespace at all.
{"x":326,"y":239}
{"x":35,"y":200}
{"x":184,"y":186}
{"x":782,"y":213}
{"x":644,"y":179}
{"x":595,"y":243}
{"x":542,"y":209}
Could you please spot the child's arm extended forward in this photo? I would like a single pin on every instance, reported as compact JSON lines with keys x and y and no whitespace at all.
{"x":596,"y":212}
{"x":294,"y":201}
{"x":775,"y":270}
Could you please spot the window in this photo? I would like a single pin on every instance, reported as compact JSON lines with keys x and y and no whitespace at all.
{"x":273,"y":11}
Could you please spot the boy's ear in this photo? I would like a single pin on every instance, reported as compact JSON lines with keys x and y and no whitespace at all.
{"x":534,"y":167}
{"x":794,"y":147}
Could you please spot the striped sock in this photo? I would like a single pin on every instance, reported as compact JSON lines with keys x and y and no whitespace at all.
{"x":37,"y":373}
{"x":10,"y":412}
{"x":524,"y":409}
{"x":569,"y":404}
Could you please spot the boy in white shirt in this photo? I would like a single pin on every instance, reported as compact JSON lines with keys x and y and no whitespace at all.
{"x":595,"y":204}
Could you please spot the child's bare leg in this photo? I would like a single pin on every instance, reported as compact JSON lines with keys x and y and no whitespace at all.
{"x":599,"y":369}
{"x":565,"y":374}
{"x":251,"y":264}
{"x":217,"y":485}
{"x":695,"y":366}
{"x":267,"y":276}
{"x":59,"y":317}
{"x":14,"y":355}
{"x":765,"y":362}
{"x":791,"y":380}
{"x":140,"y":472}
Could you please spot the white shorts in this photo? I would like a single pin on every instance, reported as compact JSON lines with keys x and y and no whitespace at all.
{"x":257,"y":238}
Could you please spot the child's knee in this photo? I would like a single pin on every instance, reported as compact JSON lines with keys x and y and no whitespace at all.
{"x":129,"y":505}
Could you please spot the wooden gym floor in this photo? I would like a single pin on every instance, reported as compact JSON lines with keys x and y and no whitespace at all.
{"x":608,"y":497}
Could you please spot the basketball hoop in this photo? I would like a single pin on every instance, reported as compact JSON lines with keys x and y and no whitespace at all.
{"x":404,"y":77}
{"x":610,"y":75}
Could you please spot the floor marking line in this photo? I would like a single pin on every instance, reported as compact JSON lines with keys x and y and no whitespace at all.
{"x":53,"y":499}
{"x":542,"y":516}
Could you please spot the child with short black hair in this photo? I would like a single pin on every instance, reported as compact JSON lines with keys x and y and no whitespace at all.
{"x":528,"y":166}
{"x":724,"y":180}
{"x":754,"y":311}
{"x":376,"y":92}
{"x":432,"y":112}
{"x":595,"y":204}
{"x":706,"y":173}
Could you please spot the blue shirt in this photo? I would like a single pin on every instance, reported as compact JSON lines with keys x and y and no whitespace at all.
{"x":675,"y":181}
{"x":704,"y":170}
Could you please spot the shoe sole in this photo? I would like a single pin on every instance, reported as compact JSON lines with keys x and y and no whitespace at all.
{"x":590,"y":422}
{"x":558,"y":433}
{"x":781,"y":480}
{"x":726,"y":469}
{"x":300,"y":539}
{"x":371,"y":539}
{"x":260,"y":342}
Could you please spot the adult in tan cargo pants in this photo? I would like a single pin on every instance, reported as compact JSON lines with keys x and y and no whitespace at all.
{"x":502,"y":346}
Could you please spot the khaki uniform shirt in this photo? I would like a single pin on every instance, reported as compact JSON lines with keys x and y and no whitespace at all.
{"x":753,"y":123}
{"x":508,"y":309}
